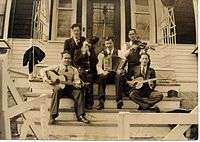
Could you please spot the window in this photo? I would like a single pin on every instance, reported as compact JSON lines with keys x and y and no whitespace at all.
{"x":65,"y":16}
{"x":2,"y":15}
{"x":142,"y":15}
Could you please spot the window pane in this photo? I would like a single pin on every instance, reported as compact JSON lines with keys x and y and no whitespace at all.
{"x":65,"y":3}
{"x":142,"y":26}
{"x":2,"y":12}
{"x":64,"y":23}
{"x":142,"y":6}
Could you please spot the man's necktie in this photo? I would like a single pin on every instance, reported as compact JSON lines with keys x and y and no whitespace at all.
{"x":143,"y":71}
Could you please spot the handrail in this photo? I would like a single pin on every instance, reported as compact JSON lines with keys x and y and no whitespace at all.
{"x":127,"y":118}
{"x":21,"y":107}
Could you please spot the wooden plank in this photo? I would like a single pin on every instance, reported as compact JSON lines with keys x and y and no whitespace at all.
{"x":23,"y":107}
{"x":163,"y":118}
{"x":123,"y":126}
{"x":5,"y":121}
{"x":7,"y":17}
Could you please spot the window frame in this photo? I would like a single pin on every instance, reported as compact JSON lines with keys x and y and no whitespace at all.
{"x":55,"y":17}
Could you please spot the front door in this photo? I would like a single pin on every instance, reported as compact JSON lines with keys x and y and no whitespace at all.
{"x":103,"y":20}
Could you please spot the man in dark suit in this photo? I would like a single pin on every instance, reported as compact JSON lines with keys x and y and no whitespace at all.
{"x":146,"y":96}
{"x":86,"y":61}
{"x":75,"y":42}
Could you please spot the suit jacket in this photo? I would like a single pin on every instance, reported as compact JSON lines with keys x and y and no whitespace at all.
{"x":70,"y":45}
{"x":150,"y":73}
{"x":28,"y":57}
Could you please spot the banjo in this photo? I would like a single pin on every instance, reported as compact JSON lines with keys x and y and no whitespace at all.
{"x":137,"y":83}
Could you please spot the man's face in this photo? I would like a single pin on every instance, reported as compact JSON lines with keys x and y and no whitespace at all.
{"x":144,"y":60}
{"x":86,"y":44}
{"x":66,"y":59}
{"x":132,"y":35}
{"x":109,"y":44}
{"x":76,"y":32}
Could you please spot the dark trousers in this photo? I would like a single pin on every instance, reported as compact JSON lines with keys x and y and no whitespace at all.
{"x":102,"y":81}
{"x":69,"y":92}
{"x":88,"y":89}
{"x":145,"y":99}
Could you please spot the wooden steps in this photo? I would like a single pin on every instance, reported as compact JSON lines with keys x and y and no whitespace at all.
{"x":103,"y":126}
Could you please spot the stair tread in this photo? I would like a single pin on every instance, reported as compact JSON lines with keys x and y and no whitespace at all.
{"x":108,"y":97}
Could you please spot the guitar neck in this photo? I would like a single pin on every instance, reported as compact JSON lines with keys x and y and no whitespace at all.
{"x":148,"y":80}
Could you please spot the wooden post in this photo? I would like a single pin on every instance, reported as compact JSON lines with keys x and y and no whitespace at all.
{"x":123,"y":126}
{"x":4,"y":120}
{"x":44,"y":119}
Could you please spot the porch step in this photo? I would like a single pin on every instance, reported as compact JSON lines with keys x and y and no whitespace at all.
{"x":41,"y":87}
{"x":110,"y":103}
{"x":103,"y":125}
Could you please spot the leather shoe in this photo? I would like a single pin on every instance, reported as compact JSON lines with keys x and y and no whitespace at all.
{"x":83,"y":119}
{"x":100,"y":106}
{"x":52,"y":121}
{"x":119,"y":105}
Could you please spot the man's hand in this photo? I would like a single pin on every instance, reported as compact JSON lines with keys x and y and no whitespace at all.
{"x":121,"y":71}
{"x":77,"y":85}
{"x":105,"y":72}
{"x":151,"y":85}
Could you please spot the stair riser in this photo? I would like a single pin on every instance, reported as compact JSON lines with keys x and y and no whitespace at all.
{"x":110,"y":89}
{"x":99,"y":133}
{"x":68,"y":103}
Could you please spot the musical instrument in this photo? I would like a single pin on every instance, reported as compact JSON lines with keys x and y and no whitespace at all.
{"x":112,"y":63}
{"x":61,"y":80}
{"x":137,"y":83}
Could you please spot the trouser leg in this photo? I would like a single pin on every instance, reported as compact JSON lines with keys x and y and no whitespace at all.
{"x":55,"y":102}
{"x":102,"y":88}
{"x":89,"y":100}
{"x":145,"y":102}
{"x":79,"y":102}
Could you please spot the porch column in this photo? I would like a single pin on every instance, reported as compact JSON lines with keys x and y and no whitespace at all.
{"x":195,"y":5}
{"x":84,"y":17}
{"x":7,"y":17}
{"x":133,"y":17}
{"x":4,"y":120}
{"x":123,"y":22}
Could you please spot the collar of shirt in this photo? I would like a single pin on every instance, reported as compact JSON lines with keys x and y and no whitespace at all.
{"x":76,"y":40}
{"x":110,"y":52}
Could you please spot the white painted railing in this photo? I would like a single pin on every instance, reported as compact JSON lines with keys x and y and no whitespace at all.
{"x":183,"y":121}
{"x":21,"y":108}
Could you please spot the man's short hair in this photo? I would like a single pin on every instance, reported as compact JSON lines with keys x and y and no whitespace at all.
{"x":64,"y":52}
{"x":108,"y":38}
{"x":133,"y":30}
{"x":75,"y":25}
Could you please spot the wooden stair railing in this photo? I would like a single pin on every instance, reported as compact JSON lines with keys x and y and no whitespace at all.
{"x":183,"y":121}
{"x":21,"y":108}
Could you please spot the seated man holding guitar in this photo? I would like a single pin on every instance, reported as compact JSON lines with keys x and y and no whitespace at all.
{"x":139,"y":85}
{"x":66,"y":82}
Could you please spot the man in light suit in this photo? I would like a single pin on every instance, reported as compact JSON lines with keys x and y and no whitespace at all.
{"x":105,"y":73}
{"x":146,"y":96}
{"x":75,"y":42}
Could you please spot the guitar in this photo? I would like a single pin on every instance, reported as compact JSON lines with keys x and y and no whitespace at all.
{"x":137,"y":83}
{"x":60,"y":81}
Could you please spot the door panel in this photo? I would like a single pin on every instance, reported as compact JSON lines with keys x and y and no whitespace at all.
{"x":103,"y":20}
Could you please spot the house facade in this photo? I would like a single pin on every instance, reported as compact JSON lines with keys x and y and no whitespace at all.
{"x":168,"y":25}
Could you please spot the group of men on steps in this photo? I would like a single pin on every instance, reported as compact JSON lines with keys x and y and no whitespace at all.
{"x":82,"y":66}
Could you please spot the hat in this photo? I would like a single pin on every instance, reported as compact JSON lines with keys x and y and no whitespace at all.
{"x":172,"y":93}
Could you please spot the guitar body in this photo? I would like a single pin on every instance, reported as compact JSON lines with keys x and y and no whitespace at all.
{"x":58,"y":80}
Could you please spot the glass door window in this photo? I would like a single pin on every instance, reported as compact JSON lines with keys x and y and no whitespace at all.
{"x":2,"y":16}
